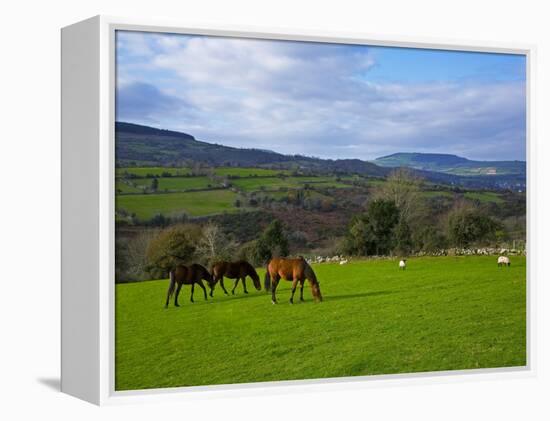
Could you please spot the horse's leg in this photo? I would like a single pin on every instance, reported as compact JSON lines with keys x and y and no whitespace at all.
{"x":192,"y":291}
{"x":223,"y":286}
{"x":244,"y":285}
{"x":170,"y":291}
{"x":178,"y":289}
{"x":212,"y":287}
{"x":274,"y":283}
{"x":294,"y":284}
{"x":302,"y":282}
{"x":203,"y":289}
{"x":235,"y":286}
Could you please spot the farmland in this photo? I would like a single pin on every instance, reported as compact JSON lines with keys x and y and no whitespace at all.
{"x":199,"y":203}
{"x":179,"y":190}
{"x":442,"y":313}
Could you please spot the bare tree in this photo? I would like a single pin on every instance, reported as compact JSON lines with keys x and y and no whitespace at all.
{"x":214,"y":244}
{"x":403,"y":188}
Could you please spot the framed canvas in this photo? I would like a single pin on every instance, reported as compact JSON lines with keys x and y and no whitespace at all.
{"x":246,"y":209}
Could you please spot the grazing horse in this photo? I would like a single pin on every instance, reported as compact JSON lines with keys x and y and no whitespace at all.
{"x":295,"y":270}
{"x":234,"y":270}
{"x":188,"y":275}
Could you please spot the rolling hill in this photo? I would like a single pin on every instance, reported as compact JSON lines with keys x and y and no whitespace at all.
{"x":452,"y":164}
{"x":150,"y":146}
{"x":144,"y":146}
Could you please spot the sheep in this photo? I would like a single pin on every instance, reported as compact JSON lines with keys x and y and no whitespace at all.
{"x":403,"y":264}
{"x":503,"y":260}
{"x":343,"y":262}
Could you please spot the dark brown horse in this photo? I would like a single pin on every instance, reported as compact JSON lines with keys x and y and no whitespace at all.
{"x":234,"y":270}
{"x":295,"y":270}
{"x":188,"y":275}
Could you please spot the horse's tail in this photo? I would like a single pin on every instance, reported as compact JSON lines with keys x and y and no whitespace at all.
{"x":171,"y":288}
{"x":267,"y":279}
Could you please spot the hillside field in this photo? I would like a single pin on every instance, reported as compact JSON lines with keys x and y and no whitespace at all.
{"x":442,"y":313}
{"x":194,"y":203}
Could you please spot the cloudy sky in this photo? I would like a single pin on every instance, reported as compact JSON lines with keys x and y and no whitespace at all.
{"x":325,"y":100}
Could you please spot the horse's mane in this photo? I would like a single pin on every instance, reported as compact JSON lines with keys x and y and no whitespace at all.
{"x":310,"y":273}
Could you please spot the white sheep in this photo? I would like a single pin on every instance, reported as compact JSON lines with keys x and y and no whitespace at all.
{"x":503,"y":261}
{"x":403,"y":264}
{"x":343,"y":262}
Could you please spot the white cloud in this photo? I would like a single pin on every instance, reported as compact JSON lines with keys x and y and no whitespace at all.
{"x":317,"y":99}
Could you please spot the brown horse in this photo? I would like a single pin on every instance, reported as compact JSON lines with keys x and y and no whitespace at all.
{"x":188,"y":275}
{"x":295,"y":270}
{"x":234,"y":270}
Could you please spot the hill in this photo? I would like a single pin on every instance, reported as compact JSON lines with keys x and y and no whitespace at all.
{"x":452,"y":164}
{"x":144,"y":146}
{"x":150,"y":146}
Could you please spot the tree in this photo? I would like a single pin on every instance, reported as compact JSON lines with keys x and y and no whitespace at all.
{"x":403,"y":188}
{"x":403,"y":237}
{"x":172,"y":246}
{"x":272,"y":243}
{"x":214,"y":245}
{"x":154,"y":184}
{"x":468,"y":225}
{"x":372,"y":233}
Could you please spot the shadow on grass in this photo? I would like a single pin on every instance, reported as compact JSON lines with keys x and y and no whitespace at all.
{"x":357,"y":295}
{"x":282,"y":296}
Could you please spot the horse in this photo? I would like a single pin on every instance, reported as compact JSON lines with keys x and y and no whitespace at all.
{"x":188,"y":275}
{"x":503,"y":260}
{"x":295,"y":270}
{"x":234,"y":270}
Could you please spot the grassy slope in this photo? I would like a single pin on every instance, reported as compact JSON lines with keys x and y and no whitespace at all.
{"x":248,"y":172}
{"x":179,"y":183}
{"x":272,"y":183}
{"x":484,"y":197}
{"x":155,"y":171}
{"x":200,"y":203}
{"x":439,"y":314}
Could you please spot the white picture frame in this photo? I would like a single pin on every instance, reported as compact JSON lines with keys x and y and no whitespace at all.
{"x":88,"y":87}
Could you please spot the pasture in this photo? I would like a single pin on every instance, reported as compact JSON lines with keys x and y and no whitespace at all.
{"x":442,"y":313}
{"x":179,"y":183}
{"x":484,"y":197}
{"x":198,"y":203}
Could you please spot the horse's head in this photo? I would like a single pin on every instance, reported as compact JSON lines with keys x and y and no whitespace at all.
{"x":207,"y":276}
{"x":255,"y":278}
{"x":316,"y":291}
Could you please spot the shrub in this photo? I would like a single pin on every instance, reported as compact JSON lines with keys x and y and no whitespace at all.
{"x":171,"y":246}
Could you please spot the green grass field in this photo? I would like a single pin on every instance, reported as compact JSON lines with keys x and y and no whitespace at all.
{"x":248,"y":172}
{"x":200,"y":203}
{"x":179,"y":183}
{"x":442,"y":313}
{"x":155,"y":171}
{"x":484,"y":197}
{"x":273,"y":183}
{"x":122,"y":187}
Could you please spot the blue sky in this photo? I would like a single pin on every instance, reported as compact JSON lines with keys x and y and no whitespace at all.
{"x":325,"y":100}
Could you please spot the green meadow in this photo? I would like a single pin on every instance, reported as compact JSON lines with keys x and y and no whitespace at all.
{"x":442,"y":313}
{"x":248,"y":172}
{"x":151,"y":171}
{"x":484,"y":197}
{"x":274,"y":183}
{"x":199,"y":203}
{"x":179,"y":183}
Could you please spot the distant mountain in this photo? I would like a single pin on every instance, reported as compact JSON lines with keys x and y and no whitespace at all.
{"x":148,"y":146}
{"x":452,"y":164}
